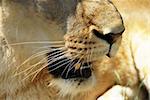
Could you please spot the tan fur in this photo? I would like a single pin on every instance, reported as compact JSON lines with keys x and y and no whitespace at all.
{"x":20,"y":23}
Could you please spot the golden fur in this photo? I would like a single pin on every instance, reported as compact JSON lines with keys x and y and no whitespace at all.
{"x":20,"y":24}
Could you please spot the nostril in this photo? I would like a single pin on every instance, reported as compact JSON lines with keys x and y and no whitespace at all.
{"x":110,"y":37}
{"x":98,"y":34}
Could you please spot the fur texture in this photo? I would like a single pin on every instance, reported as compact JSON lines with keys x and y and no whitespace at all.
{"x":26,"y":23}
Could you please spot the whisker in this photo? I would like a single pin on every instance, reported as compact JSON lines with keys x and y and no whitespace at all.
{"x":88,"y":60}
{"x":36,"y":42}
{"x":33,"y":73}
{"x":56,"y":52}
{"x":48,"y":47}
{"x":51,"y":66}
{"x":70,"y":64}
{"x":58,"y":62}
{"x":91,"y":57}
{"x":31,"y":67}
{"x":81,"y":67}
{"x":32,"y":57}
{"x":79,"y":61}
{"x":91,"y":53}
{"x":37,"y":71}
{"x":67,"y":60}
{"x":71,"y":67}
{"x":55,"y":55}
{"x":49,"y":70}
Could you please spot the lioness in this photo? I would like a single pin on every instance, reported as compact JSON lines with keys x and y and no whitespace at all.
{"x":74,"y":50}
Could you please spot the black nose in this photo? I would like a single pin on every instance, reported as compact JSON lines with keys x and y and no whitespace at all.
{"x":110,"y":37}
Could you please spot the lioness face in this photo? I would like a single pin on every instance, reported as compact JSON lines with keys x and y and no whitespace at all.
{"x":93,"y":31}
{"x":92,"y":28}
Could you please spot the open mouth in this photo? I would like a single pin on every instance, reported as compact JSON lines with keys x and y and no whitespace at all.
{"x":59,"y":65}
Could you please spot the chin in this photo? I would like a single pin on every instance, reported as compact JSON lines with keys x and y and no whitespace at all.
{"x":74,"y":86}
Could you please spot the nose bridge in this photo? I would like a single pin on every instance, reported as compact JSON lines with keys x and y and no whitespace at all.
{"x":114,"y":25}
